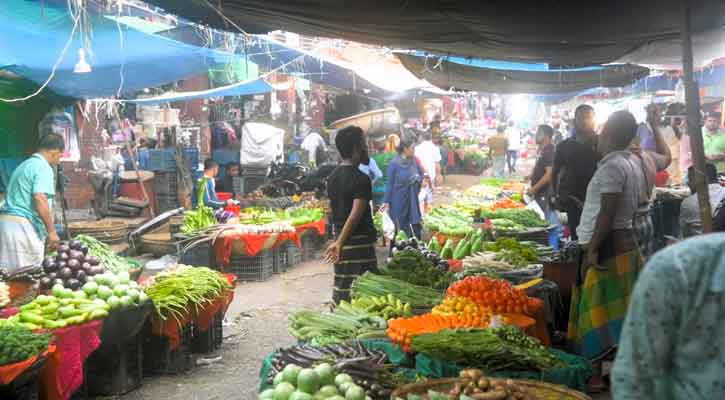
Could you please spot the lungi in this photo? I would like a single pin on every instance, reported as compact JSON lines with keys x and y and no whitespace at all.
{"x":599,"y":304}
{"x":356,"y":258}
{"x":20,"y":246}
{"x":645,"y":231}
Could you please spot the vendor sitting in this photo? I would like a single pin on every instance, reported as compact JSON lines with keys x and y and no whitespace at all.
{"x":226,"y":183}
{"x":208,"y":185}
{"x":690,"y":221}
{"x":26,"y":220}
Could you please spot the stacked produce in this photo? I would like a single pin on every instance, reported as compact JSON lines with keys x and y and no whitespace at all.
{"x":507,"y":203}
{"x":4,"y":294}
{"x":496,"y":295}
{"x":198,"y":218}
{"x":461,"y":307}
{"x":63,"y":308}
{"x":402,"y":330}
{"x":176,"y":291}
{"x":521,"y":216}
{"x":259,"y":216}
{"x":469,"y":207}
{"x":483,"y":191}
{"x":20,"y":343}
{"x":419,"y":267}
{"x":322,"y":382}
{"x":70,"y":267}
{"x":513,"y":252}
{"x":117,"y":290}
{"x":302,"y":216}
{"x":448,"y":221}
{"x":374,"y":285}
{"x":474,"y":385}
{"x":368,"y":368}
{"x":491,"y":349}
{"x":471,"y":244}
{"x":386,"y":307}
{"x":345,"y":323}
{"x":106,"y":256}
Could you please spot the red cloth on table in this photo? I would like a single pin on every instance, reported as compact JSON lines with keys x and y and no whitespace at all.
{"x":63,"y":374}
{"x":9,"y":372}
{"x":320,"y":225}
{"x":169,"y":327}
{"x":253,"y":243}
{"x":203,"y":318}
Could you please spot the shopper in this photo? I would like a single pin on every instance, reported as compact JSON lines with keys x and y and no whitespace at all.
{"x":314,"y":145}
{"x":26,"y":218}
{"x":714,"y":141}
{"x":672,"y":342}
{"x":540,"y":179}
{"x":611,"y":258}
{"x":575,"y":161}
{"x":429,"y":156}
{"x":401,"y":194}
{"x":512,"y":154}
{"x":350,"y":192}
{"x":690,"y":221}
{"x":206,"y":186}
{"x":497,"y":149}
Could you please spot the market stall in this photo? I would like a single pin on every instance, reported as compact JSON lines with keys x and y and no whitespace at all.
{"x":471,"y":301}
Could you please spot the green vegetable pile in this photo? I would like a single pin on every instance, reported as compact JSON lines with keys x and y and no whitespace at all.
{"x":448,"y":221}
{"x":506,"y":225}
{"x":513,"y":252}
{"x":66,"y":309}
{"x":413,"y":267}
{"x":322,"y":382}
{"x":521,"y":216}
{"x":175,"y":291}
{"x":107,"y":257}
{"x":345,"y":323}
{"x":374,"y":285}
{"x":496,"y":182}
{"x":476,"y":156}
{"x":386,"y":307}
{"x":198,"y":219}
{"x":301,"y":216}
{"x":19,"y":343}
{"x":493,"y":349}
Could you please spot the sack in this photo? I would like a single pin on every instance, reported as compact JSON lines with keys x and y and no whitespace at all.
{"x":388,"y":226}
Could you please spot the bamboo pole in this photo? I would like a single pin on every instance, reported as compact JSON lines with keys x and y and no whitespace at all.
{"x":692,"y":99}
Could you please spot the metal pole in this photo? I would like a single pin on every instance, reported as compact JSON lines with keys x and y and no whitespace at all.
{"x":692,"y":99}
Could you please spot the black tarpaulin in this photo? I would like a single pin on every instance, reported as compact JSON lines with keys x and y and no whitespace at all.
{"x":451,"y":75}
{"x":563,"y":32}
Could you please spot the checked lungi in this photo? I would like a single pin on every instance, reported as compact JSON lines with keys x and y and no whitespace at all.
{"x":356,"y":258}
{"x":599,"y":304}
{"x":644,"y":230}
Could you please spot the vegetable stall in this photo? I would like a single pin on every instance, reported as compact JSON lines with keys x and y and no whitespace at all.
{"x":466,"y":314}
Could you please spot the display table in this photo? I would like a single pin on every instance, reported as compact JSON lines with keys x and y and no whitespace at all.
{"x":320,"y":226}
{"x":236,"y":241}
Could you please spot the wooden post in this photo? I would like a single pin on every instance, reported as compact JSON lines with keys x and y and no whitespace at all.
{"x":132,"y":154}
{"x":692,"y":99}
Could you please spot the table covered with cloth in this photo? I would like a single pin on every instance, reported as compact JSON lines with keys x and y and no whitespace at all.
{"x":250,"y":244}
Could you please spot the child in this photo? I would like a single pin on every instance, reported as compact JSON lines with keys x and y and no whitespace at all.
{"x":425,"y":197}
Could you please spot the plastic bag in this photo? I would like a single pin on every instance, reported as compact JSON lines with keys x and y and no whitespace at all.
{"x":388,"y":226}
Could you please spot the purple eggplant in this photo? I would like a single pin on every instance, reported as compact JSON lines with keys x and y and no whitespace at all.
{"x":75,"y":254}
{"x":73,"y":284}
{"x":65,"y":273}
{"x":63,"y":256}
{"x":63,"y":248}
{"x":74,"y":264}
{"x":45,"y":283}
{"x":75,"y":244}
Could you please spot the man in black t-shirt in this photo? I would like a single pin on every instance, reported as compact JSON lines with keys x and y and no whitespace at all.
{"x":350,"y":192}
{"x":541,"y":175}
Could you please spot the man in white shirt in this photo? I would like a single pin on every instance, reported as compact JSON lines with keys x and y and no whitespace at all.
{"x":690,"y":221}
{"x":312,"y":141}
{"x":512,"y":154}
{"x":429,"y":156}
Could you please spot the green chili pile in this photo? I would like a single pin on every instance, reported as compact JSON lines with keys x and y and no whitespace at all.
{"x":175,"y":292}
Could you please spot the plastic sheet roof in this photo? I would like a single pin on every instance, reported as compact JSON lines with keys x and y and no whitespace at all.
{"x":565,"y":32}
{"x":256,"y":86}
{"x":33,"y":34}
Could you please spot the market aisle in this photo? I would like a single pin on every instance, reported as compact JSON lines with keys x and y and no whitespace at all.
{"x":259,"y":313}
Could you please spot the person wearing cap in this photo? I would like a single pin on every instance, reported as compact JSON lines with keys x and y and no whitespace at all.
{"x":713,"y":141}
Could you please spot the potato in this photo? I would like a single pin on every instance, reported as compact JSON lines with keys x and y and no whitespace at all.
{"x":484,"y":383}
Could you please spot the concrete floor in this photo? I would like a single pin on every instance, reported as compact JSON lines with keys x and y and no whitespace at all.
{"x":258,"y":318}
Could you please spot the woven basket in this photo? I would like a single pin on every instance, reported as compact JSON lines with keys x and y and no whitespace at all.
{"x":106,"y":231}
{"x":539,"y":390}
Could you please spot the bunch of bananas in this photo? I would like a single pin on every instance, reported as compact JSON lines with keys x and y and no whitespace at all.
{"x":387,"y":307}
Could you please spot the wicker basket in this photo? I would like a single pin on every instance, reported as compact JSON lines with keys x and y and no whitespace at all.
{"x":106,"y":231}
{"x":539,"y":390}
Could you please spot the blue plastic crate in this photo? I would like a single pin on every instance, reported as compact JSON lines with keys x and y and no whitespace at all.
{"x":163,"y":160}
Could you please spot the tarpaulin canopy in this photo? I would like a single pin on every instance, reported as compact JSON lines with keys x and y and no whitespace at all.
{"x":566,"y":32}
{"x":447,"y":74}
{"x":256,"y":86}
{"x":33,"y":34}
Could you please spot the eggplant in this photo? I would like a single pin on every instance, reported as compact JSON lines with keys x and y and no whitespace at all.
{"x":74,"y":264}
{"x":62,"y":264}
{"x":58,"y":281}
{"x":46,"y":283}
{"x":86,"y":267}
{"x":93,"y":260}
{"x":52,"y":267}
{"x":63,"y":256}
{"x":84,"y":249}
{"x":47,"y":261}
{"x":52,"y":275}
{"x":75,"y":254}
{"x":96,"y":270}
{"x":75,"y":244}
{"x":63,"y":248}
{"x":74,"y":284}
{"x":65,"y":273}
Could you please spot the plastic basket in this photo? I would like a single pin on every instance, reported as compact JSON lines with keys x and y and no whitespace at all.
{"x":118,"y":371}
{"x":199,"y":256}
{"x":290,"y":255}
{"x":208,"y":341}
{"x":159,"y":358}
{"x":257,"y":268}
{"x":28,"y":391}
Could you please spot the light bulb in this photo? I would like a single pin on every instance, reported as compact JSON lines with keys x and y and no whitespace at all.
{"x":82,"y":67}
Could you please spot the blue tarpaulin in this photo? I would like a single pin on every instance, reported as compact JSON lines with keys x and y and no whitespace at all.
{"x":33,"y":34}
{"x":256,"y":86}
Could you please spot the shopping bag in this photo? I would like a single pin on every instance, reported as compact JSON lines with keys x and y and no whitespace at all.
{"x":388,"y":226}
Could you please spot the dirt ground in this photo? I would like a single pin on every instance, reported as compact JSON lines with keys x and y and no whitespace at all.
{"x":258,"y":325}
